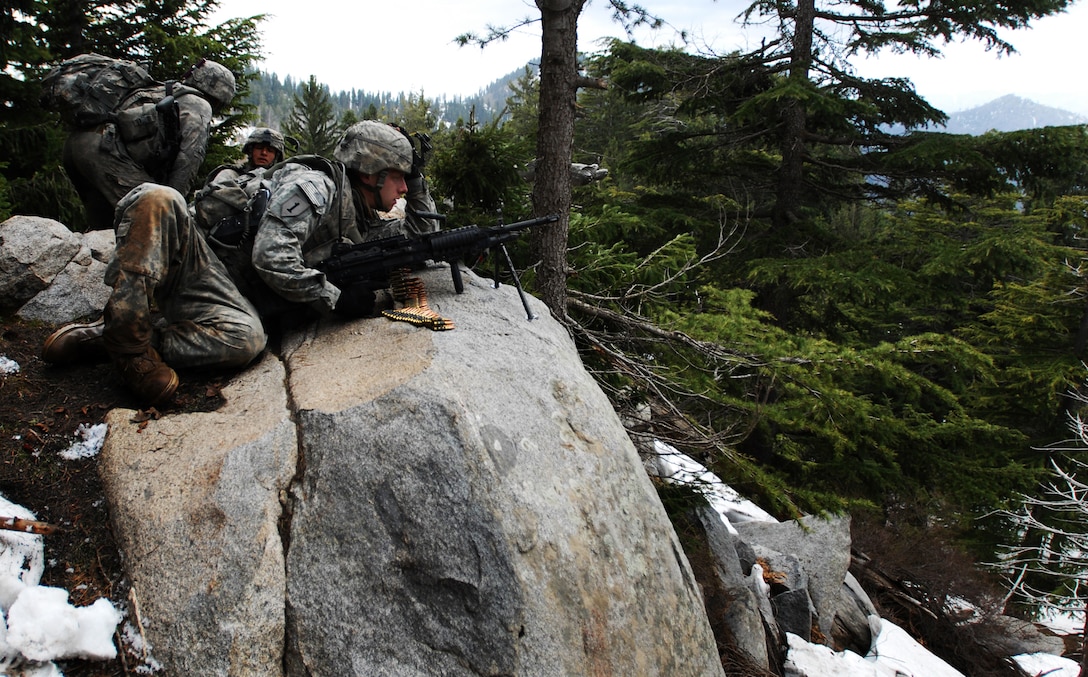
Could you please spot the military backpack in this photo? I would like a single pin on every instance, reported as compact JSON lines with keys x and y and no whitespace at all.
{"x":89,"y":89}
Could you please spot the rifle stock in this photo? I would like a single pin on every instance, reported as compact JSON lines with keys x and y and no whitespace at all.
{"x":372,"y":263}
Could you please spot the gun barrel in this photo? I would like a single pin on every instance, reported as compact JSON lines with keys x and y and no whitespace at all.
{"x":374,"y":261}
{"x":429,"y":215}
{"x":529,"y":223}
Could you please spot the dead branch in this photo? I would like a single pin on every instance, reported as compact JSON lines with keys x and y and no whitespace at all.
{"x":28,"y":526}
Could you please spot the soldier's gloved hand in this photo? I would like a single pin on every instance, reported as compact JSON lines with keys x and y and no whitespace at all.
{"x":355,"y":301}
{"x":420,"y":150}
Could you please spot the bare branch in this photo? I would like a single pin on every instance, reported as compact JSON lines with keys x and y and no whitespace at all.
{"x":494,"y":33}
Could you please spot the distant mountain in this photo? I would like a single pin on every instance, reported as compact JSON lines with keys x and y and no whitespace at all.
{"x":1010,"y":113}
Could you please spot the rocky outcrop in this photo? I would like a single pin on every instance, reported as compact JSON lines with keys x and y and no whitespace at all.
{"x":387,"y":500}
{"x":49,"y":273}
{"x":475,"y":498}
{"x":377,"y":498}
{"x":196,"y":500}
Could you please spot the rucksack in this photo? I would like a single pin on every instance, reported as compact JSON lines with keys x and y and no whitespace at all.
{"x":89,"y":89}
{"x":230,"y":205}
{"x":149,"y":123}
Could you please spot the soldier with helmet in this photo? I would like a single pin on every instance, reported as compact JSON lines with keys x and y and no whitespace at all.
{"x":161,"y":258}
{"x":383,"y":167}
{"x":160,"y":136}
{"x":264,"y":147}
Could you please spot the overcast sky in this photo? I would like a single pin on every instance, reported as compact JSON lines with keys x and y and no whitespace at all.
{"x":407,"y":46}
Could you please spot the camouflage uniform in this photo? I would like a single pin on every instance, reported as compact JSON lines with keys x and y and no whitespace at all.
{"x":214,"y":298}
{"x":103,"y":168}
{"x":160,"y":255}
{"x":311,"y":208}
{"x":213,"y":301}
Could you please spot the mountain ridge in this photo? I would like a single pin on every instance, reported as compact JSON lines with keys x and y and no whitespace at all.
{"x":1009,"y":113}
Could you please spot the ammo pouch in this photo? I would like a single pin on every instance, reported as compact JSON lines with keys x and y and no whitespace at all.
{"x":138,"y":122}
{"x":232,"y":231}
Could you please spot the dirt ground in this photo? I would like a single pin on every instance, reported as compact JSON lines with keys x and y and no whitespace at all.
{"x":41,"y":407}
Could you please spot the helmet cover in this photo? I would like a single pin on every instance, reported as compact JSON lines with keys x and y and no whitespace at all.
{"x":214,"y":80}
{"x":265,"y":136}
{"x":371,"y":147}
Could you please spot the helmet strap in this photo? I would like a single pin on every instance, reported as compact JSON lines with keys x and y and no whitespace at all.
{"x":375,"y":190}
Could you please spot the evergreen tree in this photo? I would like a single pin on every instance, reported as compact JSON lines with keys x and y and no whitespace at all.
{"x":476,"y":170}
{"x":312,"y":120}
{"x":522,"y":113}
{"x":560,"y":79}
{"x":815,"y":95}
{"x":169,"y":38}
{"x":416,"y":115}
{"x":23,"y":56}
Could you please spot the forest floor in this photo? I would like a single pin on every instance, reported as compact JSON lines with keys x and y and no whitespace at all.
{"x":41,"y":408}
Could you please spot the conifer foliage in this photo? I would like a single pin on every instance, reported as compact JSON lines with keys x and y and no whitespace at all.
{"x":312,"y":123}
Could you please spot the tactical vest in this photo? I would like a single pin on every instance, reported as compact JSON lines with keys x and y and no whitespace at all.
{"x":221,"y":208}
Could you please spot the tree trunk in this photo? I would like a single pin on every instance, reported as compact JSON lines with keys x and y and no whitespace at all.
{"x":555,"y":138}
{"x":791,"y":174}
{"x":1084,"y":644}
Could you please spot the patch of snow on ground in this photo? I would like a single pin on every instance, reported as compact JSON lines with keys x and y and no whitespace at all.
{"x":1047,"y":664}
{"x":89,"y":442}
{"x":8,"y":366}
{"x":39,"y":625}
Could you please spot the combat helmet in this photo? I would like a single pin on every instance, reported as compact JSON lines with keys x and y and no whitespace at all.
{"x":214,"y":80}
{"x":372,"y":147}
{"x":266,"y":136}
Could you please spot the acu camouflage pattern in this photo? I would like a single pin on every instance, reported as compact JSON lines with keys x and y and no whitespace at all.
{"x":371,"y":147}
{"x":215,"y":301}
{"x":227,"y":192}
{"x":214,"y":80}
{"x":89,"y":88}
{"x":160,"y":256}
{"x":268,"y":137}
{"x":311,"y":209}
{"x":104,"y":168}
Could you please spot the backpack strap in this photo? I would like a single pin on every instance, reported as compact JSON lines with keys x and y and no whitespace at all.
{"x":170,"y":117}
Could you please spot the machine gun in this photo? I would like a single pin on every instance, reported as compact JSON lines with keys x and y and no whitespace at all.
{"x":372,"y":263}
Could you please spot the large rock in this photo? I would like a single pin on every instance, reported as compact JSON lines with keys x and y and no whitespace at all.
{"x":812,"y":553}
{"x":464,"y":503}
{"x":851,"y":629}
{"x":1021,"y":637}
{"x":742,"y":616}
{"x":78,"y":290}
{"x":33,"y":251}
{"x":472,"y":505}
{"x":196,"y":503}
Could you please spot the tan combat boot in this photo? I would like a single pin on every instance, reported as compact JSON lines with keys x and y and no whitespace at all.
{"x":147,"y":376}
{"x":76,"y":343}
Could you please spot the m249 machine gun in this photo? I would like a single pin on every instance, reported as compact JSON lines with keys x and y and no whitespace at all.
{"x":373,"y":263}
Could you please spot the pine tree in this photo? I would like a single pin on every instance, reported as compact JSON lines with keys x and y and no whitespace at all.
{"x":814,"y":90}
{"x":312,"y":120}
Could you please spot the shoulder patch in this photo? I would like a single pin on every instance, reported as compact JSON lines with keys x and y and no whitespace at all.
{"x":293,"y":201}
